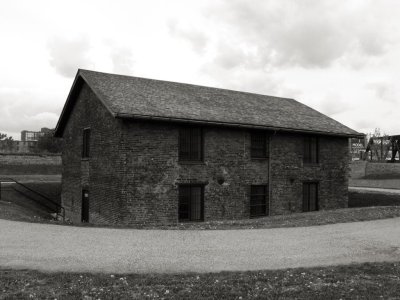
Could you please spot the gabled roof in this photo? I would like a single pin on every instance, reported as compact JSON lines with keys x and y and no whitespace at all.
{"x":141,"y":98}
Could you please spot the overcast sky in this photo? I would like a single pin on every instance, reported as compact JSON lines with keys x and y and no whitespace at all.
{"x":339,"y":57}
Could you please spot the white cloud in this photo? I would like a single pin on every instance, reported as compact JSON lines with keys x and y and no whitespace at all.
{"x":342,"y":58}
{"x":24,"y":110}
{"x":308,"y":34}
{"x":68,"y":55}
{"x":196,"y":38}
{"x":122,"y":60}
{"x":334,"y":104}
{"x":386,"y":92}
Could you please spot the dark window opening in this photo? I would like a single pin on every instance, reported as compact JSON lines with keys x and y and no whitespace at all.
{"x":191,"y":203}
{"x":190,"y":144}
{"x":85,"y":206}
{"x":311,"y":150}
{"x":259,"y":145}
{"x":258,"y":200}
{"x":310,"y":196}
{"x":86,"y":143}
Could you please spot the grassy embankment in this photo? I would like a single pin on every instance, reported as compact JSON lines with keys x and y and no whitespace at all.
{"x":361,"y":281}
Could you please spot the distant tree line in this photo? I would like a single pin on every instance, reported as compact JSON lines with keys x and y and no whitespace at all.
{"x":48,"y":143}
{"x":6,"y":141}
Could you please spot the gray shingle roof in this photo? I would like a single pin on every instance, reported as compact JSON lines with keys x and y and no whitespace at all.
{"x":134,"y":97}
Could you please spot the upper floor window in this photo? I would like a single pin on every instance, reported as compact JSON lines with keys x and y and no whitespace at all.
{"x":311,"y":149}
{"x":190,"y":144}
{"x":259,"y":144}
{"x":86,"y":143}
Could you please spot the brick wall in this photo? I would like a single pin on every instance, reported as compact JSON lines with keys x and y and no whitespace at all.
{"x":102,"y":173}
{"x":288,"y":173}
{"x":133,"y":172}
{"x":153,"y":173}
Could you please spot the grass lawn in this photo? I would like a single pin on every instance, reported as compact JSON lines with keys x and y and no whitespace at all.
{"x":381,"y":176}
{"x":12,"y":211}
{"x":364,"y":199}
{"x":361,"y":281}
{"x":21,"y":169}
{"x":15,"y":206}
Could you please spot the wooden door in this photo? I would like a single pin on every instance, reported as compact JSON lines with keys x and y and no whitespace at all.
{"x":85,"y":206}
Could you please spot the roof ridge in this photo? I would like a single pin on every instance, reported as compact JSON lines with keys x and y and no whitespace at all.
{"x":189,"y":84}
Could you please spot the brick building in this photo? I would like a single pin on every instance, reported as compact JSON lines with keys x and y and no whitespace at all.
{"x":147,"y":151}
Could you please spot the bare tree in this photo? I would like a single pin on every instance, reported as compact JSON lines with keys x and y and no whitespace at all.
{"x":378,"y":144}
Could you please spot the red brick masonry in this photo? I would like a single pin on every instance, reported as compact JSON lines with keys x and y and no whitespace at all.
{"x":133,"y":169}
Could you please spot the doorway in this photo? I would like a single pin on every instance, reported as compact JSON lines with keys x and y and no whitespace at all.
{"x":310,"y":196}
{"x":191,"y":203}
{"x":85,"y":206}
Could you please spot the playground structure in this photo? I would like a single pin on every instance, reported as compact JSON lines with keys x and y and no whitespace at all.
{"x":380,"y":148}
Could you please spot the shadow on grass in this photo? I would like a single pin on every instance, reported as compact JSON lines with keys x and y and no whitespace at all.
{"x":367,"y":199}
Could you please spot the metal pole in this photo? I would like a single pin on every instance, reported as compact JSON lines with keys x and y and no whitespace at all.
{"x":382,"y":148}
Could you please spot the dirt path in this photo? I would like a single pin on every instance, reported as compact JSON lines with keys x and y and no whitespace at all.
{"x":377,"y":190}
{"x":376,"y":183}
{"x":81,"y":249}
{"x":32,"y":178}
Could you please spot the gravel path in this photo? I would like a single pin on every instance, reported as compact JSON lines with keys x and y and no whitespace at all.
{"x":32,"y":178}
{"x":376,"y":183}
{"x":66,"y":248}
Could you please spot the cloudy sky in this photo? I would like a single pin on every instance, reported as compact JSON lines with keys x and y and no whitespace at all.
{"x":340,"y":57}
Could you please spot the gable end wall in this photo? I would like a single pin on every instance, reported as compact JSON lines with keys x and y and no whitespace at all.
{"x":103,"y":173}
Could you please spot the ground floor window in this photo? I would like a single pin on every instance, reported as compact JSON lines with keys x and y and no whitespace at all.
{"x":258,"y":200}
{"x":310,"y":196}
{"x":191,"y":203}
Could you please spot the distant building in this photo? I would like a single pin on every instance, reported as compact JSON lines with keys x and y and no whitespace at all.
{"x":27,"y":135}
{"x":27,"y":144}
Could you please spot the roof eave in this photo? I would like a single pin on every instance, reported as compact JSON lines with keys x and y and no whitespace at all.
{"x":76,"y":85}
{"x":64,"y":113}
{"x":231,"y":124}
